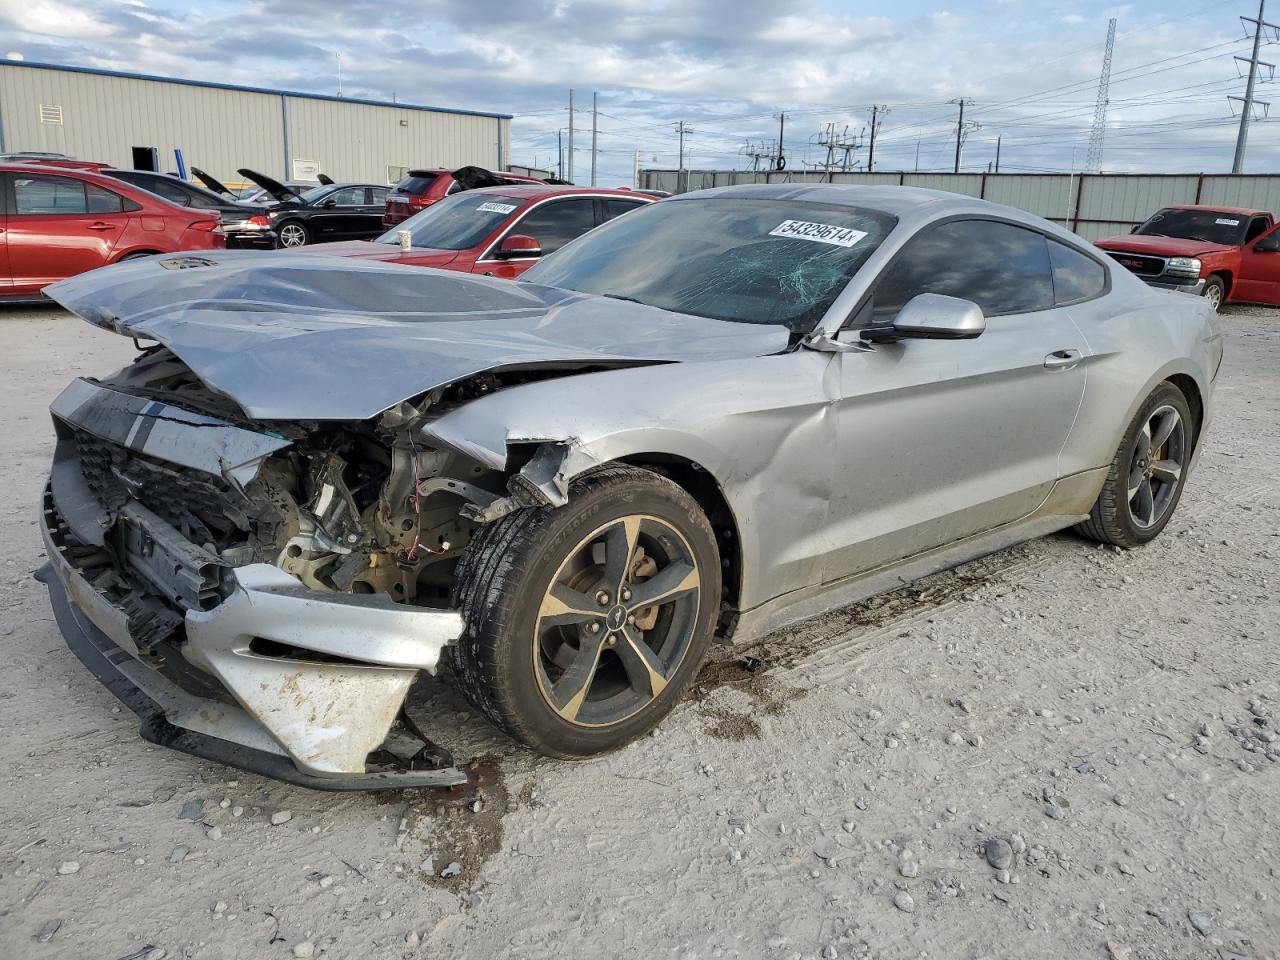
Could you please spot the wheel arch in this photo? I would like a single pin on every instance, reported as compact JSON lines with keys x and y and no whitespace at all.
{"x":136,"y":252}
{"x":703,"y":486}
{"x":1188,"y":387}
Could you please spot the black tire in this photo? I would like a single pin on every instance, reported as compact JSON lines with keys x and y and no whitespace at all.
{"x":293,"y":234}
{"x":1114,"y":518}
{"x":1215,"y":291}
{"x":137,"y":255}
{"x":504,"y":579}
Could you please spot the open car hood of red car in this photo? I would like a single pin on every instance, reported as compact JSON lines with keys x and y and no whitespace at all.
{"x":1161,"y":246}
{"x":330,"y":338}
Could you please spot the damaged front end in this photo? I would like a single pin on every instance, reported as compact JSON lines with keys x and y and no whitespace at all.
{"x":262,"y":593}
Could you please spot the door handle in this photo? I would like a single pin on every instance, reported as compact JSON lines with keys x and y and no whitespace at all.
{"x":1062,"y":359}
{"x":102,"y":226}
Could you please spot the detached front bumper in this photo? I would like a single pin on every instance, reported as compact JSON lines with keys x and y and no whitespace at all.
{"x":312,"y":715}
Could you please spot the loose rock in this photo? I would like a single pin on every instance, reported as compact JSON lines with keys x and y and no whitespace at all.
{"x":67,"y":867}
{"x":1202,"y":921}
{"x":902,"y":900}
{"x":999,"y":853}
{"x":304,"y":949}
{"x":281,"y":816}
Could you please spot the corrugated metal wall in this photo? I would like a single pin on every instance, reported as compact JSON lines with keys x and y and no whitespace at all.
{"x":1094,"y":205}
{"x":221,"y":130}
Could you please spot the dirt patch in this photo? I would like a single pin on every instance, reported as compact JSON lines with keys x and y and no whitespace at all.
{"x":455,"y":825}
{"x":747,"y":674}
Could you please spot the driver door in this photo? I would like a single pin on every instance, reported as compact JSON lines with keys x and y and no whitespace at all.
{"x":943,"y":439}
{"x":1259,"y":279}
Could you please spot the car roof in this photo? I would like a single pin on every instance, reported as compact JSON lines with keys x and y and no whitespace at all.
{"x":1241,"y":211}
{"x":890,"y":199}
{"x":536,"y":191}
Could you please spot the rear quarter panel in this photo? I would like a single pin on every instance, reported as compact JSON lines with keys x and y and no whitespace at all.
{"x":1137,"y":337}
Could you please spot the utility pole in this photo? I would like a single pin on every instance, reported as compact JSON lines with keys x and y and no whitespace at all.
{"x":570,"y":176}
{"x":559,"y":155}
{"x":1093,"y":160}
{"x":635,"y":171}
{"x":877,"y":114}
{"x":998,"y":139}
{"x":681,"y":181}
{"x":781,"y":162}
{"x":593,"y":138}
{"x":1246,"y":111}
{"x":338,"y":56}
{"x":963,"y":127}
{"x":917,"y":154}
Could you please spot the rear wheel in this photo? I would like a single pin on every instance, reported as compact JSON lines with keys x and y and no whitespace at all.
{"x":292,"y":233}
{"x":1215,"y":291}
{"x":585,"y":623}
{"x":1147,"y":474}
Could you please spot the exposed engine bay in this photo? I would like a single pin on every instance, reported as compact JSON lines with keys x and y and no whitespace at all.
{"x":360,"y":508}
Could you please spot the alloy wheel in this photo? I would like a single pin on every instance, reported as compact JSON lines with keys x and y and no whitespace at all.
{"x":292,"y":235}
{"x":1214,"y":295}
{"x":616,"y":621}
{"x":1159,"y":457}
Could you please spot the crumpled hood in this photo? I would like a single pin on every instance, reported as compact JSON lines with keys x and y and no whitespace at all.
{"x":1161,"y":246}
{"x":320,"y":338}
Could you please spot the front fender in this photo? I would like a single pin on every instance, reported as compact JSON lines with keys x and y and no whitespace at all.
{"x":761,"y":427}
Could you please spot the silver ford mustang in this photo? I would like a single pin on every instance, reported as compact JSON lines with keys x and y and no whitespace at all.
{"x":710,"y":418}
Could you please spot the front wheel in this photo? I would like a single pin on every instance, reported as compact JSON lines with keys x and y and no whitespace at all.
{"x":584,"y":624}
{"x":1147,"y":474}
{"x":294,"y":234}
{"x":1215,"y":292}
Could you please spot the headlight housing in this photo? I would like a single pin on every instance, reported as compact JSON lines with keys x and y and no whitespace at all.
{"x":1183,"y":267}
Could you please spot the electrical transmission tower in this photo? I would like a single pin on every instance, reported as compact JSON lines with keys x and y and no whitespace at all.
{"x":1247,"y":102}
{"x":839,"y":145}
{"x":1093,"y":161}
{"x":763,"y":153}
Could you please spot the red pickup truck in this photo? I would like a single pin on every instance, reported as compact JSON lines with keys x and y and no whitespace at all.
{"x":1226,"y":254}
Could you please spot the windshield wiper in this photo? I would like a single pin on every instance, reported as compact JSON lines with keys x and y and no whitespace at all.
{"x":619,"y":296}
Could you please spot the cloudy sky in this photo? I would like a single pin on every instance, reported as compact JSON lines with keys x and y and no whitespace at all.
{"x":727,"y":68}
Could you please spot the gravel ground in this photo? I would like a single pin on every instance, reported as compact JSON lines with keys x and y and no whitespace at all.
{"x":1057,"y":752}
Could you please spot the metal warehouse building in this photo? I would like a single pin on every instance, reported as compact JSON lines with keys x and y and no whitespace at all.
{"x":125,"y":118}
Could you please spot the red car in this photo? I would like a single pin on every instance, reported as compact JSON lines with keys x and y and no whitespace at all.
{"x":56,"y":222}
{"x":497,"y":231}
{"x":421,"y":188}
{"x":1226,"y":254}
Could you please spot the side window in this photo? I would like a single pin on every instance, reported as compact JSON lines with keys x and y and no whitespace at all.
{"x":350,"y":197}
{"x":170,"y":191}
{"x":102,"y":200}
{"x":1002,"y":268}
{"x":555,"y":224}
{"x":1075,"y":276}
{"x":376,"y":195}
{"x":616,"y":208}
{"x":45,"y":195}
{"x":1257,"y":227}
{"x":202,"y":200}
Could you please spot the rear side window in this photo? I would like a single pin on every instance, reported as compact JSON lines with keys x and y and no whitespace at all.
{"x":415,"y":185}
{"x":616,"y":208}
{"x":48,"y":195}
{"x":555,"y":224}
{"x":1002,"y":268}
{"x":1075,"y":276}
{"x":102,"y":200}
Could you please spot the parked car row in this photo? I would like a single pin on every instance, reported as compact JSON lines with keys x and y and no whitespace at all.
{"x":64,"y":216}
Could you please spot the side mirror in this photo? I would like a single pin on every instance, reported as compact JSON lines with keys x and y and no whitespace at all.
{"x":518,"y":246}
{"x":329,"y":203}
{"x":1135,"y":229}
{"x":1268,"y":244}
{"x":932,"y":316}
